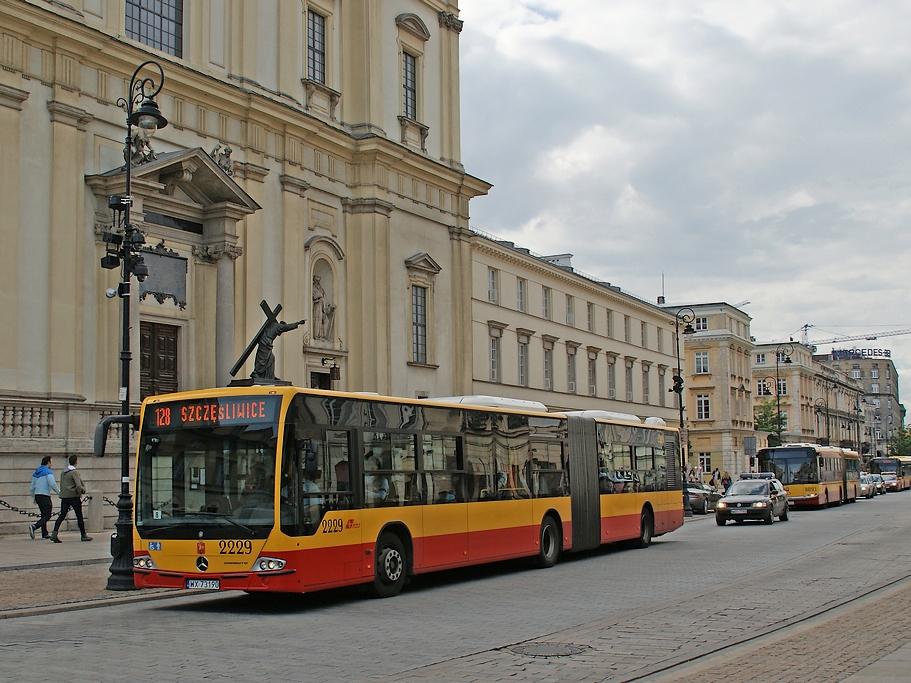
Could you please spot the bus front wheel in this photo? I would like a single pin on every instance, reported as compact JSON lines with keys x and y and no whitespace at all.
{"x":549,"y":550}
{"x":389,"y":576}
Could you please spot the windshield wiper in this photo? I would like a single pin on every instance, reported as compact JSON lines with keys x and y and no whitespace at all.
{"x":224,"y":516}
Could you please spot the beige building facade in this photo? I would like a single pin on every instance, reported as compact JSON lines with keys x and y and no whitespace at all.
{"x":311,"y":159}
{"x":717,"y":388}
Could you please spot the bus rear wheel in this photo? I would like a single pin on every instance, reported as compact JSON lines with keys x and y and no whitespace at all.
{"x":646,"y":529}
{"x":549,"y":550}
{"x":389,"y":575}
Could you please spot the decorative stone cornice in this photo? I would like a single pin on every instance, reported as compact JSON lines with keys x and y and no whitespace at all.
{"x":449,"y":21}
{"x":251,"y":172}
{"x":293,"y":185}
{"x":424,"y":263}
{"x":422,"y":130}
{"x":367,"y":205}
{"x":459,"y":234}
{"x":71,"y":116}
{"x":12,"y":97}
{"x":212,"y":253}
{"x":311,"y":87}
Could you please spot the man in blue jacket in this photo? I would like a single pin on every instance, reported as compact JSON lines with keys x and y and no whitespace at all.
{"x":43,"y":484}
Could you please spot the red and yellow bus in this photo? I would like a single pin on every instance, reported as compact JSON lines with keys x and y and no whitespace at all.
{"x":899,"y":465}
{"x":295,"y":490}
{"x":814,"y":475}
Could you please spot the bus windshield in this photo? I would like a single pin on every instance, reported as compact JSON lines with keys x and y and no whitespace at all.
{"x":208,"y":464}
{"x":790,"y":465}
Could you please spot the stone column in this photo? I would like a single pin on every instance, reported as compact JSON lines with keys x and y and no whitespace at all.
{"x":462,"y":348}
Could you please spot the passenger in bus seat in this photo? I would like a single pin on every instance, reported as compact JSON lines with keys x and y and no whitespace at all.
{"x":376,"y":486}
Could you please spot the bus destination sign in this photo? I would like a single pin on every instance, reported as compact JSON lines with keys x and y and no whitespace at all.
{"x":215,"y":412}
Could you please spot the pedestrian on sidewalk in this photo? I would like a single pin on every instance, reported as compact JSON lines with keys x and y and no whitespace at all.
{"x":71,"y":489}
{"x":43,"y":484}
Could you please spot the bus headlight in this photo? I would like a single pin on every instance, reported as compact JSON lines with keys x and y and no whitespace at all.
{"x":144,"y":562}
{"x":268,"y":564}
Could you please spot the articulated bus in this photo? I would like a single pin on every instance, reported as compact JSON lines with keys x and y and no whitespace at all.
{"x":294,"y":490}
{"x":898,"y":465}
{"x":814,"y":475}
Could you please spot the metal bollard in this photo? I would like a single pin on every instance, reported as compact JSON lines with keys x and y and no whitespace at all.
{"x":94,"y":512}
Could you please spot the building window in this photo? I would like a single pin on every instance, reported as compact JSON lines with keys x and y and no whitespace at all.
{"x":629,"y":382}
{"x":782,"y":387}
{"x":592,"y":376}
{"x":781,"y":358}
{"x":645,"y":378}
{"x":702,"y":362}
{"x":523,"y":364}
{"x":855,"y":374}
{"x":763,"y":388}
{"x":549,"y":369}
{"x":626,"y":324}
{"x":158,"y":25}
{"x":701,"y":324}
{"x":612,"y":380}
{"x":660,"y":340}
{"x":495,"y":375}
{"x":570,"y":311}
{"x":545,"y":303}
{"x":571,"y":373}
{"x":316,"y":47}
{"x":492,"y":288}
{"x":418,"y":324}
{"x":521,"y":286}
{"x":705,"y":462}
{"x":874,"y":388}
{"x":409,"y":86}
{"x":643,"y":329}
{"x":662,"y":389}
{"x":591,"y":317}
{"x":703,"y":407}
{"x":874,"y":374}
{"x":760,"y":359}
{"x":610,"y":324}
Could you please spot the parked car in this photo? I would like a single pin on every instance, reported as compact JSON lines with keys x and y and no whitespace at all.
{"x":879,"y":482}
{"x":891,"y":481}
{"x":757,"y":497}
{"x":867,"y":486}
{"x":703,"y":497}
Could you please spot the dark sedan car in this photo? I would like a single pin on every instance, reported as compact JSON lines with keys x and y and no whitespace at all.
{"x":703,"y":497}
{"x":759,"y":498}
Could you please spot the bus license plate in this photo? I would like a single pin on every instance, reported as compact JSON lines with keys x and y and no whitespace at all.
{"x":205,"y":584}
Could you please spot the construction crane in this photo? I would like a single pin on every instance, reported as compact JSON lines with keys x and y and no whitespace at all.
{"x":836,"y":340}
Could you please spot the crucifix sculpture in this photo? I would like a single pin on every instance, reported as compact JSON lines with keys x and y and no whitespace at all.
{"x":264,"y":340}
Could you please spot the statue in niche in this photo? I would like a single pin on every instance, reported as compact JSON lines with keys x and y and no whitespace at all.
{"x":322,"y":322}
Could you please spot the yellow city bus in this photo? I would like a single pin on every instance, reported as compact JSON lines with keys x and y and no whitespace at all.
{"x":899,"y":465}
{"x":814,"y":475}
{"x":284,"y":489}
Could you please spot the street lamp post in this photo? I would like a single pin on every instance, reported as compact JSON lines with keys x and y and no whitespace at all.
{"x":123,"y":251}
{"x":783,"y":350}
{"x":686,"y":316}
{"x":822,"y":405}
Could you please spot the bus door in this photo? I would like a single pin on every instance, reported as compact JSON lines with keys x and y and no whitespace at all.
{"x":444,"y":493}
{"x":584,"y":487}
{"x":317,"y":504}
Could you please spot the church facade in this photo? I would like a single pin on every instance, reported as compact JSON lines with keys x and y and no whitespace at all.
{"x":310,"y":160}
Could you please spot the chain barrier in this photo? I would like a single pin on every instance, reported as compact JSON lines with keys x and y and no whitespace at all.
{"x":29,"y":513}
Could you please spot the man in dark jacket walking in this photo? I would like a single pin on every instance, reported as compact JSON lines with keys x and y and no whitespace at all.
{"x":71,"y":490}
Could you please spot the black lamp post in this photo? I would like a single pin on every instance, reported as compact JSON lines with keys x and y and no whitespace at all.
{"x":123,"y":250}
{"x":822,"y":406}
{"x":783,"y":350}
{"x":686,"y":316}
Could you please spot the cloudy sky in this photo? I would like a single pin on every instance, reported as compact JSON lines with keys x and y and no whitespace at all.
{"x":746,"y":151}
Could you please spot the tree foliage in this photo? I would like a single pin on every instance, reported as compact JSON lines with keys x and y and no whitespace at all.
{"x":900,"y":443}
{"x":765,"y":419}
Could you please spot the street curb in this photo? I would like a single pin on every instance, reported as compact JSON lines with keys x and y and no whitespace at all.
{"x":91,"y":603}
{"x":56,"y":565}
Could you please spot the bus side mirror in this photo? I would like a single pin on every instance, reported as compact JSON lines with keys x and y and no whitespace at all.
{"x":101,"y":429}
{"x":310,"y":450}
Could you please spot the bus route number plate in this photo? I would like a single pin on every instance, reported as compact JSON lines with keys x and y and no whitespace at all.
{"x":205,"y":584}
